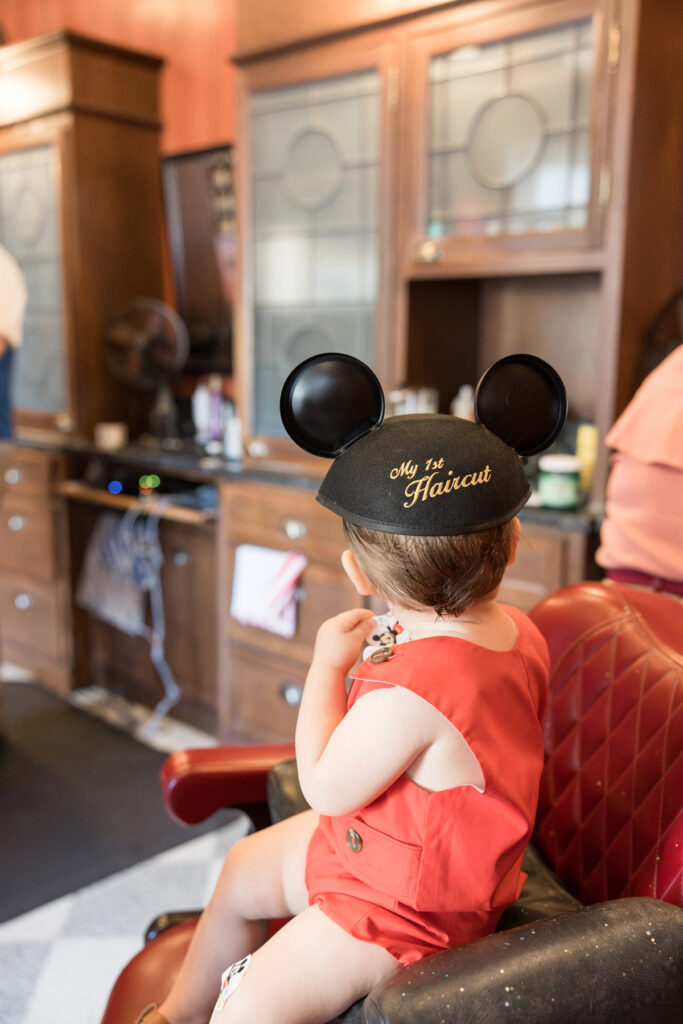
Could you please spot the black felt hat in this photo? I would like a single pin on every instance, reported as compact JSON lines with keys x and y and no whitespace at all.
{"x":427,"y":475}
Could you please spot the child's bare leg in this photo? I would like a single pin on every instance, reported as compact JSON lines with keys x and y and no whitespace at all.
{"x":262,"y":878}
{"x":307,"y":973}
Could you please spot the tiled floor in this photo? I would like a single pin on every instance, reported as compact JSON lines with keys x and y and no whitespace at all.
{"x":58,"y":962}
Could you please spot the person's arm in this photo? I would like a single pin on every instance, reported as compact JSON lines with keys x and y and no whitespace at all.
{"x":344,"y":760}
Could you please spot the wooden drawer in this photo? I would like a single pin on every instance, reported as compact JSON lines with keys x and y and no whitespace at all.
{"x":33,"y":617}
{"x":28,"y":472}
{"x":264,"y":697}
{"x":283,"y":517}
{"x":28,"y":537}
{"x":322,"y":592}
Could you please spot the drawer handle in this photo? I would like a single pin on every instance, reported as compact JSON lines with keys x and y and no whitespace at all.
{"x":12,"y":476}
{"x":16,"y":523}
{"x":293,"y":528}
{"x":22,"y":602}
{"x":181,"y":558}
{"x":291,"y":693}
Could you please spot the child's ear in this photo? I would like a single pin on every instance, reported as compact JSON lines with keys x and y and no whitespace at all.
{"x":516,"y":534}
{"x":356,"y":574}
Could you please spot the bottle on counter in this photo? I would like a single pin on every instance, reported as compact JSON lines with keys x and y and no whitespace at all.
{"x":215,"y":409}
{"x":587,"y":453}
{"x":200,"y":413}
{"x":232,"y":432}
{"x":463,"y":403}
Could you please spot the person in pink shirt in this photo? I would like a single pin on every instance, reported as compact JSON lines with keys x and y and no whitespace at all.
{"x":641,"y":539}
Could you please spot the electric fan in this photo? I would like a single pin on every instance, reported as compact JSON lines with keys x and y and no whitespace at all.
{"x":145,"y":344}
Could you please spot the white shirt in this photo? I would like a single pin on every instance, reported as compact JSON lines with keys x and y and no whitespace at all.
{"x":13,"y":296}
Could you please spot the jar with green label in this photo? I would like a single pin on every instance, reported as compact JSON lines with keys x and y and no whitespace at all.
{"x":558,"y":481}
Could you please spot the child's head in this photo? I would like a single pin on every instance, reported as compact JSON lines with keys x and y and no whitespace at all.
{"x":429,"y":501}
{"x":448,"y":574}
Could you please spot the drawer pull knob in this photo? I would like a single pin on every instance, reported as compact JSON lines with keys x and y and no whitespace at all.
{"x":16,"y":523}
{"x":291,"y":693}
{"x":294,"y":529}
{"x":22,"y":602}
{"x":12,"y":476}
{"x":181,"y":558}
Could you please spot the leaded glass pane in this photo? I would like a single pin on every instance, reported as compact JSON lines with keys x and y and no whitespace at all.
{"x":30,"y":230}
{"x":508,"y":135}
{"x":315,"y":172}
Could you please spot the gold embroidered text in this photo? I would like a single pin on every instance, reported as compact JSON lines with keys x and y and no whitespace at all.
{"x":426,"y":487}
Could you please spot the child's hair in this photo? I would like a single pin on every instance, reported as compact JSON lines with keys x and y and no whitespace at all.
{"x":447,"y":574}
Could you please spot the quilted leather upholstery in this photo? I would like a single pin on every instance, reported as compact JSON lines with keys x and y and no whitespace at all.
{"x":610,"y":820}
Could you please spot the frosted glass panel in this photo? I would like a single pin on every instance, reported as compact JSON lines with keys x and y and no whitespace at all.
{"x":30,"y":230}
{"x":315,"y":175}
{"x":509,"y":146}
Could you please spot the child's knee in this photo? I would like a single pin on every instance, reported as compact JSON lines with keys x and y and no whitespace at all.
{"x":232,"y":876}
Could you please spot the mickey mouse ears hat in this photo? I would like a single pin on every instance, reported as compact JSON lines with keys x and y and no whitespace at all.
{"x":425,"y":475}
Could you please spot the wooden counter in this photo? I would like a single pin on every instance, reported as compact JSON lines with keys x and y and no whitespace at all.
{"x":238,"y":682}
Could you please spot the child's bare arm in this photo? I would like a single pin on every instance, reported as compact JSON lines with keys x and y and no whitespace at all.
{"x":345,"y":760}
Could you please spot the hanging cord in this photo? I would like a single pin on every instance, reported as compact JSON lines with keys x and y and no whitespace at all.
{"x":136,"y":552}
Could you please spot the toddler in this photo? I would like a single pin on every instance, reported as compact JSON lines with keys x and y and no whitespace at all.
{"x":423,"y":779}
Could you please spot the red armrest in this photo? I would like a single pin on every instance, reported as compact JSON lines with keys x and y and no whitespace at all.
{"x":197,"y":783}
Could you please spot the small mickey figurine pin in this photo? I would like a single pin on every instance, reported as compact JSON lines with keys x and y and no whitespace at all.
{"x":423,"y":474}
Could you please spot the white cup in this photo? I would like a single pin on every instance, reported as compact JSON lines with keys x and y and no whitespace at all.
{"x":111,"y":436}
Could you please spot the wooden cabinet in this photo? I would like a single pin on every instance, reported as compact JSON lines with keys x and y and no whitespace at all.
{"x":560,"y":237}
{"x":509,"y":116}
{"x":107,"y":657}
{"x":35,"y":620}
{"x":263,"y":673}
{"x":317,"y":213}
{"x":81,"y":211}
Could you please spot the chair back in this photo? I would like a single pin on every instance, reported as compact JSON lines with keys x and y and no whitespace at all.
{"x":610,"y":820}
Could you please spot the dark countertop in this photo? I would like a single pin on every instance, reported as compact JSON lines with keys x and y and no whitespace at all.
{"x":192,"y":463}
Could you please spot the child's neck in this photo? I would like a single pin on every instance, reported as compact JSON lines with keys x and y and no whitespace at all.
{"x":484,"y":622}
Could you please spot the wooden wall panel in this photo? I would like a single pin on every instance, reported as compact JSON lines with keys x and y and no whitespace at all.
{"x":264,"y":25}
{"x":194,"y":37}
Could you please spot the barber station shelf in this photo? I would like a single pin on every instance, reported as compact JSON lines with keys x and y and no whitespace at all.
{"x":78,"y":491}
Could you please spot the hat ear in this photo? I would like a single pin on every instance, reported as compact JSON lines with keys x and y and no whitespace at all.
{"x":522,"y":400}
{"x":330,"y":401}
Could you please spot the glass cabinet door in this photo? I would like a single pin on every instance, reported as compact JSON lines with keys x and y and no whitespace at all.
{"x":314,"y":183}
{"x":30,"y":230}
{"x":510,"y":127}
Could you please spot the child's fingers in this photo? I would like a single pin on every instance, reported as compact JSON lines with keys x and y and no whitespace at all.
{"x":355,"y":618}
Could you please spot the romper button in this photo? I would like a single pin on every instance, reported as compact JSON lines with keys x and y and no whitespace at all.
{"x":353,"y":840}
{"x":383,"y":654}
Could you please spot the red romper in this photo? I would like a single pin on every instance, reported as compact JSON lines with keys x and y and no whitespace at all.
{"x":417,"y":871}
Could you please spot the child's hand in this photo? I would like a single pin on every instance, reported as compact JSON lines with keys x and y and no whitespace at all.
{"x":340,"y":639}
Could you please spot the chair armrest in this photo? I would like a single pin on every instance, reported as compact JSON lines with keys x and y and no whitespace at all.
{"x":284,"y":792}
{"x":621,"y":960}
{"x":197,"y":783}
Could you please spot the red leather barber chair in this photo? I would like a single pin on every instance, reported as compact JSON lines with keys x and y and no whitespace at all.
{"x":597,"y":934}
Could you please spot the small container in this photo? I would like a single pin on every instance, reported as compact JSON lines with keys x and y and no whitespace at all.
{"x":558,"y":481}
{"x":111,"y":436}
